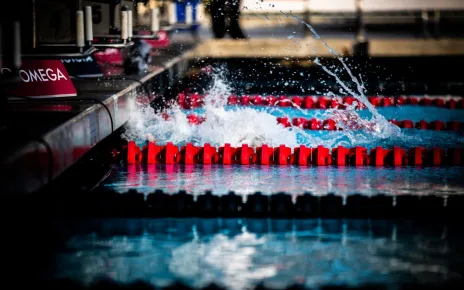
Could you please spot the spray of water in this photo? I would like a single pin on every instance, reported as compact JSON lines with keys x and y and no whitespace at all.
{"x":378,"y":124}
{"x":238,"y":126}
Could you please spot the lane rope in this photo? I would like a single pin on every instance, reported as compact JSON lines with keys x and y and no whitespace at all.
{"x":152,"y":153}
{"x":191,"y":101}
{"x":331,"y":124}
{"x":104,"y":202}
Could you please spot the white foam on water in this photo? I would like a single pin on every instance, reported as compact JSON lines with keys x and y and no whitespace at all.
{"x":241,"y":126}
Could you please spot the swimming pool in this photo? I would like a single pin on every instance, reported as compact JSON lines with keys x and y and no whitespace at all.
{"x":240,"y":253}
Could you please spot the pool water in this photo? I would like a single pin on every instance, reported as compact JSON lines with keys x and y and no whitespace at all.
{"x":409,"y":137}
{"x":220,"y":179}
{"x":406,"y":112}
{"x":295,"y":180}
{"x":239,"y":254}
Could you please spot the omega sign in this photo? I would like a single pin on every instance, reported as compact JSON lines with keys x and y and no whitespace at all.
{"x":39,"y":75}
{"x":41,"y":78}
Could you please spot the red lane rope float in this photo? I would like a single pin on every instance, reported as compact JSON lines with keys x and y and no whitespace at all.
{"x":191,"y":101}
{"x":283,"y":155}
{"x":434,"y":125}
{"x":330,"y":124}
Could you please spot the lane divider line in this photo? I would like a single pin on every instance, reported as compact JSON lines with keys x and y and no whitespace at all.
{"x":191,"y":101}
{"x":300,"y":156}
{"x":331,"y":125}
{"x":103,"y":202}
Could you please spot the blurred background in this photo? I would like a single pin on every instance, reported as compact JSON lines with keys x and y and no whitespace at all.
{"x":337,"y":18}
{"x":416,"y":27}
{"x":113,"y":114}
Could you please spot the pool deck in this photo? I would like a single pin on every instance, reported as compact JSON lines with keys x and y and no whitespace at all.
{"x":43,"y":138}
{"x":311,"y":47}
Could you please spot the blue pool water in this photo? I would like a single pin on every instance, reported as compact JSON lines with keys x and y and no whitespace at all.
{"x":238,"y":254}
{"x":410,"y":137}
{"x":406,"y":112}
{"x":295,"y":180}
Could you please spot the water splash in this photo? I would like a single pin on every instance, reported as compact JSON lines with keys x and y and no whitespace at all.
{"x":221,"y":125}
{"x":378,"y":124}
{"x":254,"y":127}
{"x":243,"y":125}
